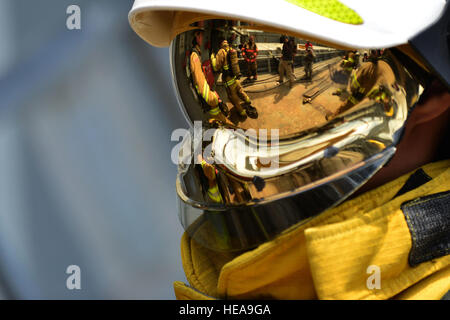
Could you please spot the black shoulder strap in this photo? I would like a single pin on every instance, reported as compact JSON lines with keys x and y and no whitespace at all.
{"x":428,"y":220}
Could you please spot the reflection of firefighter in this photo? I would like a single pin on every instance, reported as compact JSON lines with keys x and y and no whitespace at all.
{"x":365,"y":57}
{"x":250,"y":53}
{"x":294,"y":46}
{"x":309,"y":59}
{"x":226,"y":62}
{"x":212,"y":187}
{"x":218,"y":223}
{"x":206,"y":95}
{"x":348,"y":63}
{"x":373,"y":79}
{"x":286,"y":61}
{"x":241,"y":44}
{"x":232,"y":41}
{"x":308,"y":45}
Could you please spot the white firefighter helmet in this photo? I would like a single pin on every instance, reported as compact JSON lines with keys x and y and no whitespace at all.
{"x":350,"y":23}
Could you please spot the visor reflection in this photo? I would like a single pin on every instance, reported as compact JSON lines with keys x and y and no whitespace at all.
{"x":240,"y":228}
{"x":338,"y":115}
{"x":254,"y":79}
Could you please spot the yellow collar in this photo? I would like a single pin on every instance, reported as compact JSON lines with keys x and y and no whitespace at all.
{"x":358,"y":250}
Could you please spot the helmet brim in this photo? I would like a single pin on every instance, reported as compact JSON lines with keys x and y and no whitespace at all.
{"x":159,"y":21}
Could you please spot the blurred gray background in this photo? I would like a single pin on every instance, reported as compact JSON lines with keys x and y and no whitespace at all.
{"x":85,"y":171}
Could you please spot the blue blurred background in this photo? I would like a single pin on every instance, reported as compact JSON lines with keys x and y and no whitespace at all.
{"x":85,"y":171}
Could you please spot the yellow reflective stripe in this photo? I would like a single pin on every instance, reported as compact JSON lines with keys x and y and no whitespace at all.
{"x":214,"y":63}
{"x":214,"y":189}
{"x":207,"y":94}
{"x":332,"y":9}
{"x":214,"y":194}
{"x":215,"y":197}
{"x":214,"y":111}
{"x":203,"y":163}
{"x":381,"y":145}
{"x":225,"y":67}
{"x":381,"y":97}
{"x":230,"y":82}
{"x":372,"y":93}
{"x":351,"y":60}
{"x":206,"y":91}
{"x":356,"y":84}
{"x":353,"y":100}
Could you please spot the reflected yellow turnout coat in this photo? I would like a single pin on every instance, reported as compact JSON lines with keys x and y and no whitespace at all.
{"x":391,"y":242}
{"x":201,"y":85}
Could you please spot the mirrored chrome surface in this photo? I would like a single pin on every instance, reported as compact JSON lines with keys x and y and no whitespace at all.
{"x":236,"y":228}
{"x":301,"y":101}
{"x":311,"y":137}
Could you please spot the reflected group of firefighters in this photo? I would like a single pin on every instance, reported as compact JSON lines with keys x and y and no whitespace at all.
{"x":368,"y":79}
{"x":226,"y":63}
{"x":286,"y":61}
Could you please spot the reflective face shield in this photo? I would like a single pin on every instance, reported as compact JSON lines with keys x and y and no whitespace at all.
{"x":282,"y":128}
